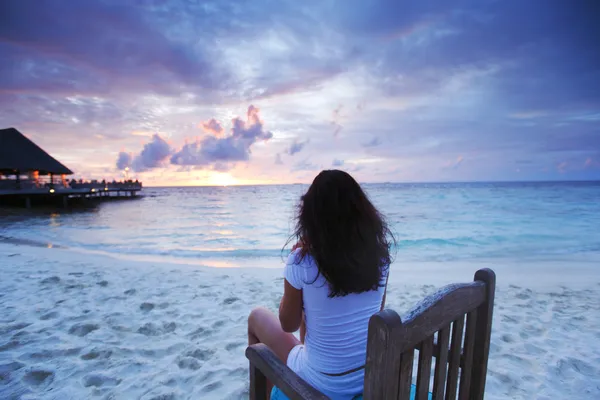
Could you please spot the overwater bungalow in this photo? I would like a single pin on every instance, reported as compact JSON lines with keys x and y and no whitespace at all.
{"x":29,"y":175}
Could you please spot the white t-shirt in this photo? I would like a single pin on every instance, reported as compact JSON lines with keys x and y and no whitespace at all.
{"x":336,"y":330}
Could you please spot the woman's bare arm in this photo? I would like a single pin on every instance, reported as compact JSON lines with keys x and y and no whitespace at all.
{"x":290,"y":308}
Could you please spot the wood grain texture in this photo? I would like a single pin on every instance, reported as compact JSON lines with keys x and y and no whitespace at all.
{"x":383,"y":358}
{"x":483,"y":333}
{"x":454,"y":358}
{"x":468,"y":347}
{"x":439,"y":310}
{"x":258,"y":384}
{"x":405,"y":381}
{"x":441,"y":363}
{"x":391,"y":344}
{"x":424,"y":368}
{"x":436,"y":349}
{"x":264,"y":360}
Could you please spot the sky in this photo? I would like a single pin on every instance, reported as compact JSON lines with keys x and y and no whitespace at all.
{"x":224,"y":92}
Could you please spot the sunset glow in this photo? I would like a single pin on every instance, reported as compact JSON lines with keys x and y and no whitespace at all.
{"x":222,"y":179}
{"x":225,"y":93}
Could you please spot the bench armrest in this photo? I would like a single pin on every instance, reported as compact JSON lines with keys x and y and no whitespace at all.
{"x":265,"y":364}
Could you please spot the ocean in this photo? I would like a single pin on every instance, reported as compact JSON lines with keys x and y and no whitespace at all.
{"x":249,"y":225}
{"x":132,"y":309}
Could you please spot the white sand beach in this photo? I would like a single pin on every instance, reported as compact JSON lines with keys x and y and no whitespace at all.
{"x":76,"y":325}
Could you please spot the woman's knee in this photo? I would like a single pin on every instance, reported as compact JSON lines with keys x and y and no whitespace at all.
{"x":257,"y":315}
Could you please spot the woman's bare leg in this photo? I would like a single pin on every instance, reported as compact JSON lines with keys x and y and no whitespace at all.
{"x":264,"y":327}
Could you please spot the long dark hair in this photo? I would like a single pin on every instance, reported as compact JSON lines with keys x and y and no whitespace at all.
{"x":344,"y":233}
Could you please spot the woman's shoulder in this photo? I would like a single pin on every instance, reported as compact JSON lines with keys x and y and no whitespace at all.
{"x":302,"y":263}
{"x":299,"y":258}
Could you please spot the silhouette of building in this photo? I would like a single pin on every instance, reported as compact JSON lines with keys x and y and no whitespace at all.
{"x":20,"y":156}
{"x":28,"y":176}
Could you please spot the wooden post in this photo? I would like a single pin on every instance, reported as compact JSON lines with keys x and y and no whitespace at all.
{"x":27,"y":202}
{"x":483,"y":330}
{"x":65,"y":202}
{"x":382,"y":368}
{"x":258,"y":384}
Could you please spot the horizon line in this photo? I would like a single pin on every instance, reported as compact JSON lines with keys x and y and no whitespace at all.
{"x":386,"y":182}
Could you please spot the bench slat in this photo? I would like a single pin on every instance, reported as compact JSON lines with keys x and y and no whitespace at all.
{"x":424,"y":369}
{"x":441,"y":364}
{"x":465,"y":376}
{"x":454,"y":363}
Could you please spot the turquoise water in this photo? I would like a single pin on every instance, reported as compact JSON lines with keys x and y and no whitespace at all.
{"x":249,"y":225}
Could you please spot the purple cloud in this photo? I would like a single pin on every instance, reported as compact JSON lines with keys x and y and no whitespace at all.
{"x":236,"y":147}
{"x":494,"y":81}
{"x":124,"y":160}
{"x":153,"y":155}
{"x":296,"y":147}
{"x":90,"y":47}
{"x":213,"y":126}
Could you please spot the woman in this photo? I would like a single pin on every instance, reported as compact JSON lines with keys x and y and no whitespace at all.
{"x":335,"y":280}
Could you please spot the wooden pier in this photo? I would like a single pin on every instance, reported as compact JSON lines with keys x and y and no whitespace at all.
{"x":29,"y":176}
{"x":64,"y":196}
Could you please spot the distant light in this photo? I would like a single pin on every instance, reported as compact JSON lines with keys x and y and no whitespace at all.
{"x":93,"y":190}
{"x":126,"y":168}
{"x":105,"y":189}
{"x":49,"y":245}
{"x":51,"y":190}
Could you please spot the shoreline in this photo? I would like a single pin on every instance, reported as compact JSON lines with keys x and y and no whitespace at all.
{"x":75,"y":325}
{"x":582,"y":271}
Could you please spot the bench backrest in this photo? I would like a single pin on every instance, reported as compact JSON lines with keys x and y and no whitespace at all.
{"x":450,"y":329}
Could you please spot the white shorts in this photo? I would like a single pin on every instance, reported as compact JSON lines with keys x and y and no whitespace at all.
{"x":342,"y":387}
{"x":295,"y":359}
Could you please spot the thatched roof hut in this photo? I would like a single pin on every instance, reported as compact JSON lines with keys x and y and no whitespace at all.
{"x":18,"y":154}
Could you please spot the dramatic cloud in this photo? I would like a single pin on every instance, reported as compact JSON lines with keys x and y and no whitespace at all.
{"x":213,"y":126}
{"x":153,"y":155}
{"x":409,"y":85}
{"x":296,"y":147}
{"x":124,"y":160}
{"x":91,"y":47}
{"x":211,"y":150}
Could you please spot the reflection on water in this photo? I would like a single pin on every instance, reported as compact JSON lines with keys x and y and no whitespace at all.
{"x":231,"y":225}
{"x":54,"y":222}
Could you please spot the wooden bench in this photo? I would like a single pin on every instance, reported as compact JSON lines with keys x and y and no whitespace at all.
{"x":450,"y":329}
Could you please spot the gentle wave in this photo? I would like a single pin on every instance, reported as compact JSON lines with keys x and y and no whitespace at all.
{"x":430,"y":222}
